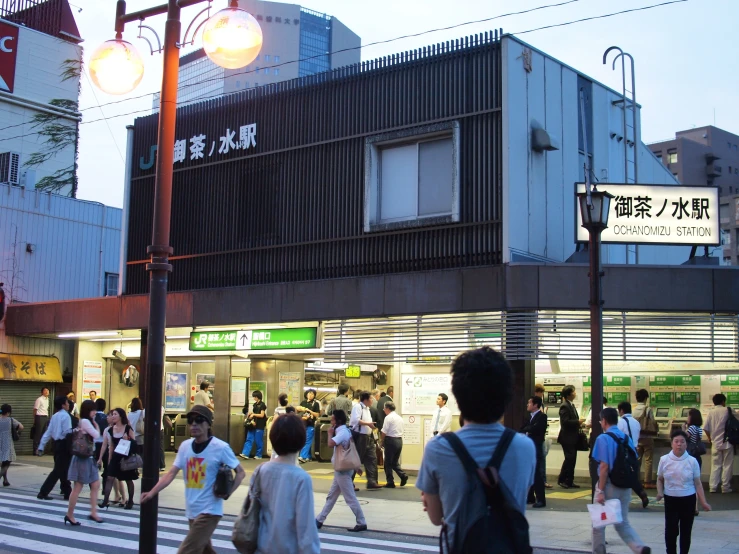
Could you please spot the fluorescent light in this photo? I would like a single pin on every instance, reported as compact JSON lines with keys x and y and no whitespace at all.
{"x":240,"y":328}
{"x":92,"y":334}
{"x":195,"y":361}
{"x":114,"y":340}
{"x":179,"y":337}
{"x":311,"y":368}
{"x":320,"y":389}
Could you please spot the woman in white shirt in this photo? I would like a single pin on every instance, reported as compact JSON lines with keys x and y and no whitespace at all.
{"x":678,"y":482}
{"x":137,"y":411}
{"x":286,"y":494}
{"x":339,"y":436}
{"x":83,"y":469}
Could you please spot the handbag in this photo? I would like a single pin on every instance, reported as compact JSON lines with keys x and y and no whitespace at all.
{"x":347,"y":459}
{"x":224,"y":482}
{"x":605,"y":514}
{"x":82,"y":445}
{"x":245,"y":535}
{"x":582,"y":442}
{"x":696,"y":449}
{"x":132,"y":462}
{"x":14,"y":431}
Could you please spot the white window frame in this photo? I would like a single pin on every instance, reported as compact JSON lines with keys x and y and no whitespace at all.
{"x":372,"y":171}
{"x":118,"y":277}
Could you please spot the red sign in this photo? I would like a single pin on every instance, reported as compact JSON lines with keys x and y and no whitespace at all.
{"x":8,"y":54}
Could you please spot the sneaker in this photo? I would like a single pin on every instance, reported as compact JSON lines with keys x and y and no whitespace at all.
{"x":727,"y":491}
{"x":242,"y":456}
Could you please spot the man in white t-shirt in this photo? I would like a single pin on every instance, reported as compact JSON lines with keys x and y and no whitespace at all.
{"x":202,"y":398}
{"x":40,"y":417}
{"x":200,"y":458}
{"x":632,"y":429}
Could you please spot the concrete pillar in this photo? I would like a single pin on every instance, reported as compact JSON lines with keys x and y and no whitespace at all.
{"x":222,"y":397}
{"x":523,"y":388}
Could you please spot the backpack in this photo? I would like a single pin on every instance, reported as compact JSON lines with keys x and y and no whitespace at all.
{"x":649,"y":427}
{"x":139,"y":427}
{"x":502,"y":529}
{"x":731,"y":432}
{"x":625,"y":471}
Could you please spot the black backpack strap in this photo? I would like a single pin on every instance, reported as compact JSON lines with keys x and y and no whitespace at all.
{"x":502,"y":448}
{"x":467,"y":461}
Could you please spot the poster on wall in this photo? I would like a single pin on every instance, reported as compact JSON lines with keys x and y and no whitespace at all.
{"x":92,"y":378}
{"x":238,"y":391}
{"x":421,"y":390}
{"x":412,"y":429}
{"x":290,"y":385}
{"x":175,"y":392}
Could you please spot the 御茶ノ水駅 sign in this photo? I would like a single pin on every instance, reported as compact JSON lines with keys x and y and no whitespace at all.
{"x":254,"y":339}
{"x":658,"y":214}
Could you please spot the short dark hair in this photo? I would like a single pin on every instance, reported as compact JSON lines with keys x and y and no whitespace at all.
{"x":357,"y":394}
{"x":567,"y":391}
{"x":624,"y":407}
{"x":610,"y":415}
{"x":695,"y":417}
{"x":642,"y":395}
{"x":343,"y":389}
{"x":204,"y":385}
{"x":444,"y":397}
{"x":390,"y":406}
{"x":364,"y":396}
{"x":482,"y":383}
{"x":290,"y":410}
{"x":59,"y":402}
{"x":136,"y":404}
{"x":305,"y":394}
{"x":287,"y":434}
{"x":679,"y":433}
{"x":44,"y":388}
{"x":100,"y":405}
{"x":6,"y":409}
{"x":256,"y":394}
{"x":85,"y":409}
{"x":536,"y":401}
{"x":719,"y":399}
{"x":340,"y":417}
{"x":282,"y":399}
{"x":383,"y":394}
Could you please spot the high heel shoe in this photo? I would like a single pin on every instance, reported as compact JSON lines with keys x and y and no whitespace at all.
{"x":128,"y":505}
{"x":67,"y":520}
{"x":98,"y":520}
{"x":104,"y":505}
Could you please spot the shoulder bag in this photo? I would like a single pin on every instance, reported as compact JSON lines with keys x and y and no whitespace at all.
{"x":14,"y":431}
{"x":245,"y":535}
{"x":132,"y":459}
{"x":82,"y":445}
{"x":346,"y":459}
{"x":224,"y":482}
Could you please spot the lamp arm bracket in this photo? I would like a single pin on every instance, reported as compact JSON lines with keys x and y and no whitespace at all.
{"x":191,"y":41}
{"x":156,"y":35}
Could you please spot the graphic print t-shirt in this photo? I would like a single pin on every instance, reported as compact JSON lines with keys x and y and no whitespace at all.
{"x":199,"y":472}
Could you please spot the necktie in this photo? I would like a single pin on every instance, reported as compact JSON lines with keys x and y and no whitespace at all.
{"x":436,"y":424}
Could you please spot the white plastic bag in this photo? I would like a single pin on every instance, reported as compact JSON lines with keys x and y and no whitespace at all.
{"x":608,"y":514}
{"x":124,"y":447}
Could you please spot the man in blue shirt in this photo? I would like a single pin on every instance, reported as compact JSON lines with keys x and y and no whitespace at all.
{"x":604,"y":453}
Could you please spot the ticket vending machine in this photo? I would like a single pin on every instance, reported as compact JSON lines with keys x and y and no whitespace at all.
{"x":664,"y":419}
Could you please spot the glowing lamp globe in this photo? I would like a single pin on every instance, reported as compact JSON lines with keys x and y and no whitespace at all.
{"x":232,"y":38}
{"x":116,"y":67}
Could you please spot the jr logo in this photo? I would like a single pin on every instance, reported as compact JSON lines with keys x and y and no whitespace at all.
{"x":152,"y":158}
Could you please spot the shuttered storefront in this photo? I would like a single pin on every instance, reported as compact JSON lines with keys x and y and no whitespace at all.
{"x":21,"y":397}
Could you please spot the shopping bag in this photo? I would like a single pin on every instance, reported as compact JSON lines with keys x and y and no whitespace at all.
{"x":605,"y":514}
{"x":123,"y":448}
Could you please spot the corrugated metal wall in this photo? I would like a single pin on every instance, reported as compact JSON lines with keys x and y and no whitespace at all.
{"x":292,"y":208}
{"x":74,"y":244}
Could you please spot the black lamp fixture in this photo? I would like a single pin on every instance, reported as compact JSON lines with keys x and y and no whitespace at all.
{"x":594,"y":208}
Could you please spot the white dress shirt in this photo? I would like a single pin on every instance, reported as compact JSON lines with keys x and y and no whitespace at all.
{"x":60,"y":425}
{"x":393,"y":425}
{"x":626,"y":422}
{"x":360,"y":412}
{"x":42,"y":405}
{"x":442,"y":420}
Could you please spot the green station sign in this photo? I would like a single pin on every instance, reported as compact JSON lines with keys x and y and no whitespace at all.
{"x":730,"y":381}
{"x":692,"y":381}
{"x":254,"y":339}
{"x":661,"y":381}
{"x":617,"y":381}
{"x":353,"y":372}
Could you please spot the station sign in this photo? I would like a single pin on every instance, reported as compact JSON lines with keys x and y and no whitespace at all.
{"x":353,"y":372}
{"x":658,"y":214}
{"x":254,"y":339}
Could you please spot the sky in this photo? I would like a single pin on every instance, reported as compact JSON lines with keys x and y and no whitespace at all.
{"x":685,"y":56}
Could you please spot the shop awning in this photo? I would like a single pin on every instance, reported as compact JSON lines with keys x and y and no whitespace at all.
{"x":22,"y":367}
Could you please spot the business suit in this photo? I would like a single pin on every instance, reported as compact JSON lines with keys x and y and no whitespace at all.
{"x":569,"y":431}
{"x":536,"y":429}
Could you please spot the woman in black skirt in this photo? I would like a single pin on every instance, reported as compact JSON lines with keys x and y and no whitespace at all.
{"x":119,"y":430}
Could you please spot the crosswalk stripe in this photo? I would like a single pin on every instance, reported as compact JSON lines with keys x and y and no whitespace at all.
{"x":38,"y":546}
{"x":377,"y":542}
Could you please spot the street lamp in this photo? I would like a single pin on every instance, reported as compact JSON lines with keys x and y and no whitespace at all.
{"x":594,"y":207}
{"x":115,"y":69}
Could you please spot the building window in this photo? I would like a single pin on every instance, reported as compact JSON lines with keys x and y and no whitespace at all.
{"x":412,"y":177}
{"x":238,"y":84}
{"x":266,"y":70}
{"x":111,"y":284}
{"x":672,"y":157}
{"x":257,"y":70}
{"x":277,"y":59}
{"x":276,"y":70}
{"x":266,"y":57}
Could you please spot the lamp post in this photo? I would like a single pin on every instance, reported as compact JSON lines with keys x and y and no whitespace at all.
{"x":232,"y":38}
{"x":594,"y":207}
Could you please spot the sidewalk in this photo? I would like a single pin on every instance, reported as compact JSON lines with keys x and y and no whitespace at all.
{"x":551,"y":531}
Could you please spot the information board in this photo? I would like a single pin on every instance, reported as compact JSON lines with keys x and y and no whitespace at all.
{"x":411,"y":429}
{"x":289,"y":383}
{"x":421,"y":389}
{"x":254,"y":339}
{"x":238,"y":391}
{"x":92,"y":378}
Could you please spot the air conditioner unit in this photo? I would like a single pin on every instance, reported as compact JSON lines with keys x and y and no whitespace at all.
{"x":10,"y":164}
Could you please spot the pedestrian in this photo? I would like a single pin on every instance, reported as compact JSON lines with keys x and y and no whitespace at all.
{"x":362,"y":427}
{"x":281,"y":405}
{"x":93,"y":396}
{"x":7,"y":446}
{"x":339,"y":436}
{"x":286,"y":518}
{"x":443,"y":416}
{"x":255,"y":422}
{"x":392,"y":441}
{"x":101,"y":418}
{"x":604,"y":452}
{"x":679,"y":483}
{"x":570,"y":424}
{"x":631,"y":428}
{"x":384,"y":397}
{"x":535,"y":428}
{"x":200,"y":458}
{"x":119,"y":430}
{"x":202,"y":398}
{"x":137,"y":411}
{"x":83,"y":469}
{"x":310,"y":411}
{"x":341,"y":401}
{"x":40,"y":416}
{"x":59,"y":427}
{"x":73,"y":408}
{"x":649,"y":428}
{"x":482,"y":384}
{"x":102,"y":456}
{"x":539,"y":391}
{"x":722,"y":451}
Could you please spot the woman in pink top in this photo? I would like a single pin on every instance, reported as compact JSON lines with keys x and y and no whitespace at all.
{"x":83,"y":469}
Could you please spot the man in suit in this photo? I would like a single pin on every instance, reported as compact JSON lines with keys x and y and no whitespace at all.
{"x":536,"y":428}
{"x":569,"y":431}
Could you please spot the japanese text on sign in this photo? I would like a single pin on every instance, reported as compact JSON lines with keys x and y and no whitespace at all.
{"x":659,"y":214}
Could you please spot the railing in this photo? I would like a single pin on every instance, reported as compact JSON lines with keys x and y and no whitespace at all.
{"x":41,"y":15}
